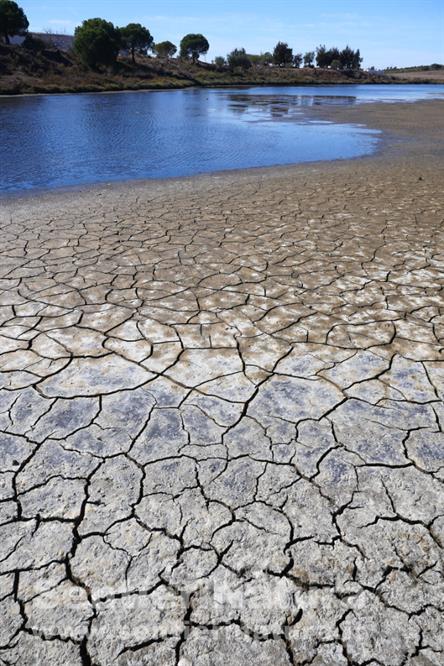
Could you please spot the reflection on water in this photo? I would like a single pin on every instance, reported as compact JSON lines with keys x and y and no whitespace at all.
{"x":282,"y":106}
{"x":56,"y":140}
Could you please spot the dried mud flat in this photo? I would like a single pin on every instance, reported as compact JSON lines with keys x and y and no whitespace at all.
{"x":222,"y":418}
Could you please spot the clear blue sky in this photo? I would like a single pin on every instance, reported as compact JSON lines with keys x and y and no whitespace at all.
{"x":388,"y":32}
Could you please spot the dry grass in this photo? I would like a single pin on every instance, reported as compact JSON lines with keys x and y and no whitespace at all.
{"x":425,"y":75}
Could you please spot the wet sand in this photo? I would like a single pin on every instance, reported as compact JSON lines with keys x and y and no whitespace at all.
{"x":222,"y":415}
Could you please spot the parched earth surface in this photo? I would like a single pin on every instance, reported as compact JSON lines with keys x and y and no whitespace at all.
{"x":222,"y":421}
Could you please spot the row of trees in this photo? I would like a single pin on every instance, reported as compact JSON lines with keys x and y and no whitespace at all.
{"x":283,"y":56}
{"x":333,"y":57}
{"x":98,"y":42}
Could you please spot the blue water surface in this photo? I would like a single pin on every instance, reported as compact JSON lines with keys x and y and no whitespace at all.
{"x":49,"y":141}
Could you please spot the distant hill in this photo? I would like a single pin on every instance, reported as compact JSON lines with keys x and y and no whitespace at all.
{"x":53,"y":40}
{"x":417,"y":68}
{"x":57,"y":70}
{"x":421,"y":73}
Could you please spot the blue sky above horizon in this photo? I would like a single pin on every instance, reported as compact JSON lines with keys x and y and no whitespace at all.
{"x":388,"y":32}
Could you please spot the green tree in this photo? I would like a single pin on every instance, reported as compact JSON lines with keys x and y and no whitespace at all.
{"x":220,"y":62}
{"x":282,"y":54}
{"x":192,"y":46}
{"x":97,"y":42}
{"x":346,"y":57}
{"x":266,"y":58}
{"x":336,"y":64}
{"x":261,"y":58}
{"x":322,"y":58}
{"x":357,"y":60}
{"x":309,"y":58}
{"x":350,"y":59}
{"x":135,"y":37}
{"x":13,"y":20}
{"x":165,"y":49}
{"x":333,"y":54}
{"x":325,"y":57}
{"x":297,"y":60}
{"x":238,"y":58}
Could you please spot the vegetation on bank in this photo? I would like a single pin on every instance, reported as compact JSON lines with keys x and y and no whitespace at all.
{"x":103,"y":58}
{"x":24,"y":70}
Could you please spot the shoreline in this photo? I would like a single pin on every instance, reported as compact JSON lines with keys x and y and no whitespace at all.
{"x":259,"y":84}
{"x":398,"y":122}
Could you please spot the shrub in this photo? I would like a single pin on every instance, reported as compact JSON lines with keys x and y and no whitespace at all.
{"x":238,"y":59}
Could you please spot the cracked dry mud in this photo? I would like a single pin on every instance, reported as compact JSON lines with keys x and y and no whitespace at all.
{"x":222,"y":420}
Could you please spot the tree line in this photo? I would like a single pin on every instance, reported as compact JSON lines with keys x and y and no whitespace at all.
{"x":98,"y":42}
{"x":283,"y":56}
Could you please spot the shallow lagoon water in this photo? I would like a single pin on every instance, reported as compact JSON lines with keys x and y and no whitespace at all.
{"x":49,"y":141}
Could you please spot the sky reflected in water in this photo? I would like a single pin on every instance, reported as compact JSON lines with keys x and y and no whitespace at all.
{"x":49,"y":141}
